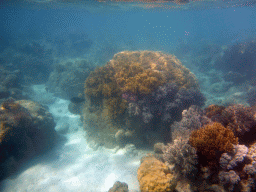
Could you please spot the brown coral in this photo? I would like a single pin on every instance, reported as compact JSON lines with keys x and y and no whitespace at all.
{"x":214,"y":112}
{"x":113,"y":91}
{"x":156,"y":66}
{"x":241,"y":120}
{"x":101,"y":83}
{"x":155,"y":176}
{"x":213,"y":138}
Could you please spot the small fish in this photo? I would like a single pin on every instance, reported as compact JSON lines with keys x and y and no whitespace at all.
{"x":77,"y":100}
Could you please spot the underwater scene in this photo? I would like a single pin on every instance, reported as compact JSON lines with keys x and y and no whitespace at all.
{"x":127,"y":96}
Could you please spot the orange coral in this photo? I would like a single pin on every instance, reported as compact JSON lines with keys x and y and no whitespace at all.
{"x":212,"y":138}
{"x":155,"y":176}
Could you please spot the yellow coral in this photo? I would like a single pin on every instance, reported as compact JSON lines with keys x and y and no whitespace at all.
{"x":164,"y":67}
{"x":212,"y":138}
{"x":116,"y":107}
{"x":155,"y":176}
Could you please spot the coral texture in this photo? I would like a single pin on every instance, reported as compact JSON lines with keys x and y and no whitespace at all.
{"x":182,"y":155}
{"x":192,"y":119}
{"x":251,"y":96}
{"x":239,"y":118}
{"x":26,"y":129}
{"x":229,"y":179}
{"x":242,"y":121}
{"x":68,"y":77}
{"x":232,"y":159}
{"x":211,"y":138}
{"x":159,"y":68}
{"x":242,"y":52}
{"x":155,"y":176}
{"x":141,"y":92}
{"x":119,"y":187}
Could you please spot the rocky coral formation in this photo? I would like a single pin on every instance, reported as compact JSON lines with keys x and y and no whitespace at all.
{"x":243,"y":52}
{"x":32,"y":59}
{"x":210,"y":158}
{"x":140,"y":92}
{"x":26,"y":130}
{"x":239,"y":118}
{"x":242,"y":121}
{"x":155,"y":176}
{"x":232,"y":159}
{"x":229,"y":179}
{"x":10,"y":85}
{"x":119,"y":187}
{"x":183,"y":156}
{"x":251,"y":96}
{"x":67,"y":78}
{"x":192,"y":119}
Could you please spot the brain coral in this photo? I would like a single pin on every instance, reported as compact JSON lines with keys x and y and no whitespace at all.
{"x":155,"y":176}
{"x":212,"y":138}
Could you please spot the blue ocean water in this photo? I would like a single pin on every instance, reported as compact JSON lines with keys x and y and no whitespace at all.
{"x":48,"y":49}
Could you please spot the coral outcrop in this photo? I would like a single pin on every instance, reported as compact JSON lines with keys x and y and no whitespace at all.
{"x":239,"y":58}
{"x":67,"y":78}
{"x":213,"y":138}
{"x":155,"y":176}
{"x":182,"y":155}
{"x":119,"y":187}
{"x":239,"y":118}
{"x":26,"y":129}
{"x":139,"y":92}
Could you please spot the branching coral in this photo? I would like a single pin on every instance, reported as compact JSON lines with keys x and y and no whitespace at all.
{"x":231,"y":160}
{"x":155,"y":176}
{"x":212,"y":138}
{"x":182,"y":155}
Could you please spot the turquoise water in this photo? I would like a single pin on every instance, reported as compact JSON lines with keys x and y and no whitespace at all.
{"x":49,"y":47}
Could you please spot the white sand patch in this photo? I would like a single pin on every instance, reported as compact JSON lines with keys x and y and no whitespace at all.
{"x":73,"y":166}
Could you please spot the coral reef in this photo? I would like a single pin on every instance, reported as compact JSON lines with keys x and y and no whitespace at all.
{"x":243,"y":52}
{"x":241,"y":120}
{"x":155,"y":176}
{"x":26,"y":129}
{"x":212,"y":138}
{"x":32,"y":59}
{"x":140,"y":92}
{"x":214,"y":112}
{"x":192,"y":119}
{"x":67,"y":78}
{"x":10,"y":84}
{"x":229,"y":179}
{"x":232,"y":159}
{"x":119,"y":187}
{"x":182,"y":156}
{"x":251,"y":96}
